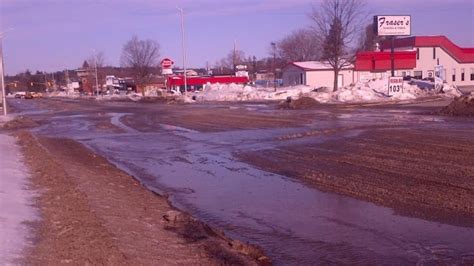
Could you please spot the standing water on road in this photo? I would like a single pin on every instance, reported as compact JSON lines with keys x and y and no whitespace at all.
{"x":293,"y":223}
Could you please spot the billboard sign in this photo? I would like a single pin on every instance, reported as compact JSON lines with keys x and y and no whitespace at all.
{"x":395,"y":86}
{"x":392,"y":25}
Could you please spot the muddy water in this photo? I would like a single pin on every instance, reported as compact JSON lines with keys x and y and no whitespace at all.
{"x":295,"y":224}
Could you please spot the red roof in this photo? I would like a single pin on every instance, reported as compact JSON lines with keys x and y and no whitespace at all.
{"x":462,"y":55}
{"x":381,"y":61}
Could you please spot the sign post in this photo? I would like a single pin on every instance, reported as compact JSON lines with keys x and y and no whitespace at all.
{"x":393,"y":26}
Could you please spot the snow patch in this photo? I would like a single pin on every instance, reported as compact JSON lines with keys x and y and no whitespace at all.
{"x":15,"y":203}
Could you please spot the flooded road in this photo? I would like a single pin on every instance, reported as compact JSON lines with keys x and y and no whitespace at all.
{"x":293,"y":222}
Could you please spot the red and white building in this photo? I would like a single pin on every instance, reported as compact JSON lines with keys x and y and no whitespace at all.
{"x":457,"y":62}
{"x":414,"y":56}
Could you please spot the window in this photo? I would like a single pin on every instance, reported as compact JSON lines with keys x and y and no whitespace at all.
{"x":472,"y":73}
{"x":418,"y":74}
{"x":404,"y":74}
{"x":462,"y":74}
{"x":434,"y":52}
{"x":417,"y":53}
{"x":454,"y":74}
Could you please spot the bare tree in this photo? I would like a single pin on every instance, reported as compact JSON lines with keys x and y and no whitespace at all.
{"x":226,"y":64}
{"x":141,"y":56}
{"x":338,"y":23}
{"x":300,"y":45}
{"x":97,"y":57}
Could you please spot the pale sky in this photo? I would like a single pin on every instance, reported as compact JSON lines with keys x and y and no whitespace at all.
{"x":58,"y":34}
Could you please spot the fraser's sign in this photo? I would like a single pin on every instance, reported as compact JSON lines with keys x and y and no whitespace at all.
{"x":392,"y":25}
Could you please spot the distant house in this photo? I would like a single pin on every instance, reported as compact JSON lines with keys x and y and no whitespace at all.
{"x":122,"y":84}
{"x":152,"y":84}
{"x":316,"y":74}
{"x":84,"y":74}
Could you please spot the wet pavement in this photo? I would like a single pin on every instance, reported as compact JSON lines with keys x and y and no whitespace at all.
{"x":292,"y":222}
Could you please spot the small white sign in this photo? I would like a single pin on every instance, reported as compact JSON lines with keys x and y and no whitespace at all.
{"x":166,"y":71}
{"x":439,"y":77}
{"x":392,"y":25}
{"x":395,"y":86}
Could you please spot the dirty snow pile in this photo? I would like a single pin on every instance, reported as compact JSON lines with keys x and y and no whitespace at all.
{"x":63,"y":94}
{"x":15,"y":203}
{"x":371,"y":91}
{"x":376,"y":90}
{"x":233,"y":92}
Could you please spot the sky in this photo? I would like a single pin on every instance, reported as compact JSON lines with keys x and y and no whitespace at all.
{"x":53,"y":35}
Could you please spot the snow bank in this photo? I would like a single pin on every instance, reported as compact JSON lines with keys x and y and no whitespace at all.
{"x":63,"y":94}
{"x":371,"y":91}
{"x":15,"y":203}
{"x":234,"y":92}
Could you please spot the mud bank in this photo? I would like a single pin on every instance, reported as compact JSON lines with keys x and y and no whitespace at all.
{"x":462,"y":106}
{"x":92,"y":213}
{"x":418,"y":173}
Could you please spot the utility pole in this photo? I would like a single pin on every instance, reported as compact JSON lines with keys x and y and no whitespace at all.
{"x":184,"y":50}
{"x":234,"y":57}
{"x":2,"y":77}
{"x":2,"y":74}
{"x":273,"y":65}
{"x":96,"y":76}
{"x":67,"y":78}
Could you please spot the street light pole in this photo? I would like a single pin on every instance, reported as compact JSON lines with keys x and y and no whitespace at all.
{"x":2,"y":78}
{"x":184,"y":50}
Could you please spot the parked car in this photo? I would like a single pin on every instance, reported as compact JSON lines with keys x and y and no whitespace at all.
{"x":20,"y":95}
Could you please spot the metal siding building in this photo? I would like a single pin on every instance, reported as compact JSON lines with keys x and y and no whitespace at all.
{"x":315,"y":74}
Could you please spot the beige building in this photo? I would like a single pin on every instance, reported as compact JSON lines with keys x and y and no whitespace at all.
{"x":315,"y":74}
{"x":457,"y":62}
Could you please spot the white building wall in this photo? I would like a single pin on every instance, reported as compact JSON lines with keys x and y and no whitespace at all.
{"x":293,"y":75}
{"x":325,"y":78}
